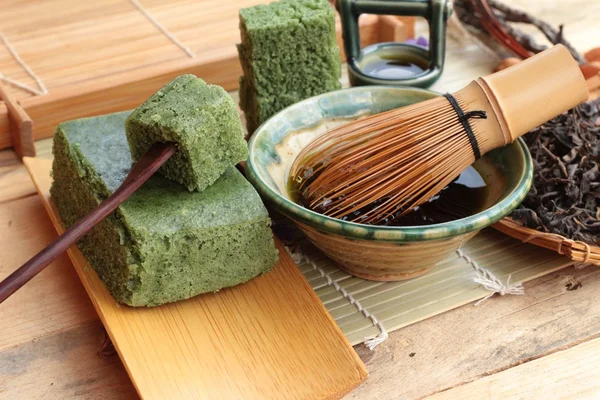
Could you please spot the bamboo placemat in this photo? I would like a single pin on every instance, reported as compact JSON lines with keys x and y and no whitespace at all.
{"x":83,"y":58}
{"x":64,"y":60}
{"x":398,"y":304}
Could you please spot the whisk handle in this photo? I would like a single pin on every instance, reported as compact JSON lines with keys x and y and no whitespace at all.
{"x":536,"y":90}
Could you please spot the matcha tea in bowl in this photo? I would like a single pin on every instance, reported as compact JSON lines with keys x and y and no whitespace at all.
{"x":408,"y":247}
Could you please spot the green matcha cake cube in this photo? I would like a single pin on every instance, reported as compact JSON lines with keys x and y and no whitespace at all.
{"x":164,"y":243}
{"x":202,"y":119}
{"x":288,"y":53}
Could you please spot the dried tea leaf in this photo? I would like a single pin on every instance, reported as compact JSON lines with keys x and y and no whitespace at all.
{"x":565,"y":195}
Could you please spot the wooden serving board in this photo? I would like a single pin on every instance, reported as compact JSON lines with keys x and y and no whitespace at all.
{"x":270,"y":338}
{"x":101,"y":56}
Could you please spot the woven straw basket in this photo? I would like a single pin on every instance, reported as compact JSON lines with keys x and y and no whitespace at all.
{"x":577,"y":251}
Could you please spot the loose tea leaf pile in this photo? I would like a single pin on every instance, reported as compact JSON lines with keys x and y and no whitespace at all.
{"x":564,"y":198}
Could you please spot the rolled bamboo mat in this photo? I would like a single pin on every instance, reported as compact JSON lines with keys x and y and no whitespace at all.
{"x":366,"y":310}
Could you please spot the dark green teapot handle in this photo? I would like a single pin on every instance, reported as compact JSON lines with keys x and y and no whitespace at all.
{"x":436,"y":12}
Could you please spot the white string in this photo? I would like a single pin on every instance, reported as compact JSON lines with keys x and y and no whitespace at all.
{"x":23,"y":65}
{"x":371,"y":343}
{"x":162,"y":28}
{"x":490,"y":282}
{"x":42,"y":88}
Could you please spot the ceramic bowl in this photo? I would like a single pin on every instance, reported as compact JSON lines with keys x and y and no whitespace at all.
{"x":375,"y":252}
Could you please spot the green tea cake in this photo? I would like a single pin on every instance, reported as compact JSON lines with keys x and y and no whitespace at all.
{"x":288,"y":53}
{"x":202,"y":119}
{"x":164,"y":243}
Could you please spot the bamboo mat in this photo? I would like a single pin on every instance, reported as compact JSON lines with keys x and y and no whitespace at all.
{"x":398,"y":304}
{"x":65,"y":59}
{"x":101,"y":56}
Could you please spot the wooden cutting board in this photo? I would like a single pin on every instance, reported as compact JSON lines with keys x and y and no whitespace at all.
{"x":270,"y":338}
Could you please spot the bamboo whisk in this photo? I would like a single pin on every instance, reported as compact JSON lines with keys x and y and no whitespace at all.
{"x":383,"y":166}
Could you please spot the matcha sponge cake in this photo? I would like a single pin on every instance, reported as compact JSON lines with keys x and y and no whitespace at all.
{"x":164,"y":243}
{"x":288,"y":53}
{"x":202,"y":119}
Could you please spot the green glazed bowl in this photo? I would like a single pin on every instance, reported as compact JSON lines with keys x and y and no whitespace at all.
{"x":368,"y":251}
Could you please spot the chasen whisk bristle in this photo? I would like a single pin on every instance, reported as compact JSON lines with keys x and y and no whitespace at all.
{"x":383,"y":166}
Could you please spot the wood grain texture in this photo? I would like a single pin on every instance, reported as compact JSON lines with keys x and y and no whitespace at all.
{"x":90,"y":53}
{"x":66,"y":365}
{"x":52,"y":302}
{"x":105,"y":56}
{"x":15,"y":182}
{"x":471,"y":342}
{"x":269,"y":338}
{"x":568,"y":374}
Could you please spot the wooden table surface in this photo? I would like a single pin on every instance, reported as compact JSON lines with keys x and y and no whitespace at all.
{"x":545,"y":344}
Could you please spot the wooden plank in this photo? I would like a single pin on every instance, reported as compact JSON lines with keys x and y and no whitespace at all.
{"x":54,"y":300}
{"x":470,"y":342}
{"x":21,"y":126}
{"x":567,"y":374}
{"x":5,"y":140}
{"x":531,"y":323}
{"x":123,"y":92}
{"x":66,"y":365}
{"x":269,"y":338}
{"x":15,"y":182}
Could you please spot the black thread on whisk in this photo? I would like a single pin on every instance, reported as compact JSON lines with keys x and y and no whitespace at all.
{"x":464,"y":118}
{"x":477,"y":114}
